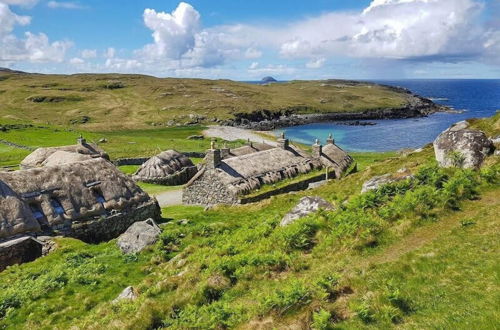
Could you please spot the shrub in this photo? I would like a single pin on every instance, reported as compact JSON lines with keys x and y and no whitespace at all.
{"x":321,"y":320}
{"x":288,"y":296}
{"x":298,"y":235}
{"x":364,"y":311}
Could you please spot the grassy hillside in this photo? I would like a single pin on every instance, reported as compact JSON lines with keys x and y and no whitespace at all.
{"x":419,"y":254}
{"x":114,"y":102}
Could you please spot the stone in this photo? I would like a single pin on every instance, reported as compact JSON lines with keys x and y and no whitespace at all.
{"x":459,"y":146}
{"x":314,"y":185}
{"x":103,"y":140}
{"x":378,"y":181}
{"x":139,"y":236}
{"x":306,"y":206}
{"x":128,"y":293}
{"x":20,"y":250}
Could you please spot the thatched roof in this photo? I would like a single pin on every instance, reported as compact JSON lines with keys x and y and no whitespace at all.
{"x":166,"y":166}
{"x":248,"y":149}
{"x":82,"y":190}
{"x":40,"y":155}
{"x":15,"y":215}
{"x":248,"y":172}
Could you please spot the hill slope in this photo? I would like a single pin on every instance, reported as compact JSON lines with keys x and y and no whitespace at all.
{"x":415,"y":254}
{"x":113,"y":101}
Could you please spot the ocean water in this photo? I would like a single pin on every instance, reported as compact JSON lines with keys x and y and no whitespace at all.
{"x":478,"y":98}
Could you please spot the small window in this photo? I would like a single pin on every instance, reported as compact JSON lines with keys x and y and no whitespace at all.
{"x":37,"y":212}
{"x":56,"y":206}
{"x":98,"y":196}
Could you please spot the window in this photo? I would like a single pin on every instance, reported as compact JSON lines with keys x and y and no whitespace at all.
{"x":37,"y":212}
{"x":56,"y":206}
{"x":98,"y":196}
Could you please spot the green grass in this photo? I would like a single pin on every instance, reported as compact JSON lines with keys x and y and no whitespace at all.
{"x":129,"y":169}
{"x":413,"y":255}
{"x":120,"y":144}
{"x":149,"y":102}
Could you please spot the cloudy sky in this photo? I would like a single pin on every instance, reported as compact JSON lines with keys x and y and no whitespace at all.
{"x":246,"y":40}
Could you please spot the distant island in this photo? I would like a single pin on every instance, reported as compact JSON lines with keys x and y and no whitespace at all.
{"x":267,"y":80}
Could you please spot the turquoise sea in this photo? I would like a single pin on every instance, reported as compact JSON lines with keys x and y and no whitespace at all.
{"x":478,"y":98}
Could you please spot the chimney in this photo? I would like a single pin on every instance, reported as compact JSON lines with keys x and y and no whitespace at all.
{"x":81,"y":140}
{"x":224,"y":152}
{"x":316,"y":149}
{"x":283,"y":143}
{"x":330,"y":139}
{"x":213,"y":157}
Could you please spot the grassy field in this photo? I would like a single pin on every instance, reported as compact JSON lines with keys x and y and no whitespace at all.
{"x":109,"y":102}
{"x":120,"y":144}
{"x":416,"y":254}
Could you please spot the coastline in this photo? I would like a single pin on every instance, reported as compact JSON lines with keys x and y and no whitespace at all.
{"x":264,"y":120}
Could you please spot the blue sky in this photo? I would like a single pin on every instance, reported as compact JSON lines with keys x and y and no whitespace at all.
{"x":247,"y":40}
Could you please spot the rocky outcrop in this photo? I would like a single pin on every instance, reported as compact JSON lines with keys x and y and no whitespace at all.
{"x":460,"y":146}
{"x":416,"y":106}
{"x":378,"y":181}
{"x":139,"y":236}
{"x":306,"y":206}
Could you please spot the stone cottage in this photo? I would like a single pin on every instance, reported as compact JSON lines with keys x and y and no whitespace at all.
{"x":227,"y":176}
{"x":90,"y":200}
{"x":63,"y":155}
{"x":168,"y":168}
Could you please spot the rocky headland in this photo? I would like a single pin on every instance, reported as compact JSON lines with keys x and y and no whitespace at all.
{"x":263,"y":120}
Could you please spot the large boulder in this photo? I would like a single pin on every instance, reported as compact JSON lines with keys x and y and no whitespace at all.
{"x":139,"y":236}
{"x":460,"y":146}
{"x":306,"y":206}
{"x":378,"y":181}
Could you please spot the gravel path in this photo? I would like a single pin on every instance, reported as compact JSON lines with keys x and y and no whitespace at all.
{"x":234,"y":133}
{"x":169,"y":198}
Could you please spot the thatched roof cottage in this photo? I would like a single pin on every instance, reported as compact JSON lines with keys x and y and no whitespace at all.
{"x":90,"y":200}
{"x":168,"y":168}
{"x":63,"y":155}
{"x":225,"y":180}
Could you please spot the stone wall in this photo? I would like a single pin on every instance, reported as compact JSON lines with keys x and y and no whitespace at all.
{"x":108,"y":227}
{"x":178,"y":178}
{"x":208,"y":189}
{"x":19,"y":250}
{"x":296,"y":186}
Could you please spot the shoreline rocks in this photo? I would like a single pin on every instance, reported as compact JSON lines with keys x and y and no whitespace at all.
{"x":266,"y":120}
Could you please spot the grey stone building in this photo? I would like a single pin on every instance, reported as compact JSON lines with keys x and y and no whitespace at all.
{"x":228,"y":175}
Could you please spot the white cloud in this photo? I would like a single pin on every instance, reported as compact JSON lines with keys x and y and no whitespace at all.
{"x":254,"y":65}
{"x":32,"y":48}
{"x":174,"y":34}
{"x":76,"y":61}
{"x":89,"y":53}
{"x":64,"y":5}
{"x":110,"y":52}
{"x":23,"y":3}
{"x":8,"y":20}
{"x":252,"y":53}
{"x":315,"y":64}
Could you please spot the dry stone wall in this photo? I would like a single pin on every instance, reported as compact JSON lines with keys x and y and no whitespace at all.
{"x":208,"y":190}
